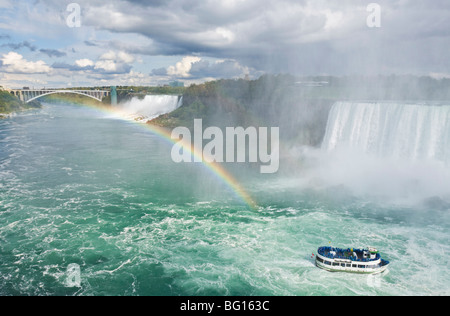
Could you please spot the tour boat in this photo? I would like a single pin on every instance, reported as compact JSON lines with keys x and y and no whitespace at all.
{"x":365,"y":261}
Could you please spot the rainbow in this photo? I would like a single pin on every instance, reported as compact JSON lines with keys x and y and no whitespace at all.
{"x":219,"y":171}
{"x":216,"y":169}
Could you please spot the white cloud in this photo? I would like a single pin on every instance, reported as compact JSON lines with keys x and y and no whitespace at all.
{"x":118,"y":56}
{"x":192,"y":69}
{"x":112,"y":62}
{"x":219,"y":69}
{"x":13,"y":62}
{"x":124,"y":57}
{"x":182,"y":68}
{"x":107,"y":65}
{"x":83,"y":63}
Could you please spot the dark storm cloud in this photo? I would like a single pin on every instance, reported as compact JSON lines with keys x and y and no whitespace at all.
{"x":296,"y":36}
{"x":300,"y":36}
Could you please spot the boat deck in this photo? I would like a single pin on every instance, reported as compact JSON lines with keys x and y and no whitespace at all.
{"x":347,"y":254}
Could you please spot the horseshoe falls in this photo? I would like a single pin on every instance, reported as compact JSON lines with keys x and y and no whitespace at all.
{"x":405,"y":131}
{"x":396,"y":150}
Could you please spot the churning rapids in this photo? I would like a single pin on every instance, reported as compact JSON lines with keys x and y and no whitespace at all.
{"x":81,"y":187}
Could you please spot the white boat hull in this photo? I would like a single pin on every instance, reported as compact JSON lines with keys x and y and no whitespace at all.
{"x":350,"y":269}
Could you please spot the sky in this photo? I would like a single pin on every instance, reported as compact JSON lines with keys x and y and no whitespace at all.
{"x":57,"y":43}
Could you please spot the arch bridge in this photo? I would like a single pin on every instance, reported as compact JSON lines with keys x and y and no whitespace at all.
{"x":26,"y":95}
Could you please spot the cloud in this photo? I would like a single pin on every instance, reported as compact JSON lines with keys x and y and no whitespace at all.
{"x":108,"y":63}
{"x":214,"y":25}
{"x":114,"y":63}
{"x":83,"y":63}
{"x":118,"y":56}
{"x":224,"y":39}
{"x":219,"y":69}
{"x":17,"y":46}
{"x":191,"y":67}
{"x":5,"y":4}
{"x":13,"y":62}
{"x":90,"y":43}
{"x":108,"y":66}
{"x":159,"y":72}
{"x":69,"y":67}
{"x":53,"y":53}
{"x":182,"y":68}
{"x":31,"y":47}
{"x":286,"y":35}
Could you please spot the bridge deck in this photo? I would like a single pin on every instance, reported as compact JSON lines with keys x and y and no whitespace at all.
{"x":29,"y":95}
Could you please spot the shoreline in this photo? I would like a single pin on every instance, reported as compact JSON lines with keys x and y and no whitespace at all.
{"x":5,"y":115}
{"x":21,"y":110}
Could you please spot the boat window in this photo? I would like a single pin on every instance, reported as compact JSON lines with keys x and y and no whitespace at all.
{"x":361,"y":266}
{"x":319,"y":259}
{"x":335,"y":264}
{"x":328,"y":262}
{"x":343,"y":265}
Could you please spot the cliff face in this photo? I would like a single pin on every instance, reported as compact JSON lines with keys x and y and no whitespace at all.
{"x":10,"y":103}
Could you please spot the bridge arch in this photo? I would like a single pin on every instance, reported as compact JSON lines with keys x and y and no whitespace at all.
{"x":100,"y":93}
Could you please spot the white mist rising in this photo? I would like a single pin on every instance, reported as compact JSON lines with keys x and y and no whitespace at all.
{"x":150,"y":107}
{"x":396,"y":152}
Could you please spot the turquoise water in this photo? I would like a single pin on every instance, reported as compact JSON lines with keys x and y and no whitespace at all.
{"x":82,"y":187}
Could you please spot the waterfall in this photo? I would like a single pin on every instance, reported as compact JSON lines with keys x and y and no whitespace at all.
{"x":150,"y":107}
{"x":409,"y":132}
{"x":391,"y":151}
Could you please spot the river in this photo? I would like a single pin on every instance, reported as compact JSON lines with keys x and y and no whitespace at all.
{"x":84,"y":188}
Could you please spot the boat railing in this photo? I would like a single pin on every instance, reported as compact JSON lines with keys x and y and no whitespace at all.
{"x":325,"y":252}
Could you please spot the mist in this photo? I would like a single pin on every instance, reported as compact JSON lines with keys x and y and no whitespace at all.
{"x":385,"y":152}
{"x":376,"y":178}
